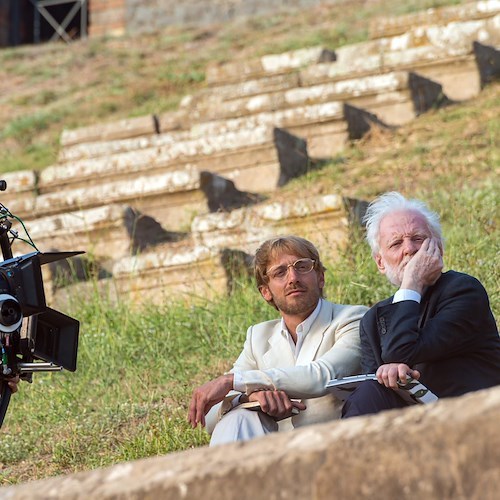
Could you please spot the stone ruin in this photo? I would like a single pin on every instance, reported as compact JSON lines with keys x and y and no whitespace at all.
{"x":157,"y":201}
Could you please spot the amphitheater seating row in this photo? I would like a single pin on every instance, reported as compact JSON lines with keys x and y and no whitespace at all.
{"x":149,"y":194}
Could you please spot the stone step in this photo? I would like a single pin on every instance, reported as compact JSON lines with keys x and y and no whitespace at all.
{"x":364,"y":88}
{"x":148,"y":153}
{"x":397,"y":25}
{"x":391,"y":96}
{"x":174,"y":273}
{"x":272,"y":64}
{"x":203,"y":138}
{"x":171,"y":274}
{"x":201,"y":267}
{"x":171,"y":198}
{"x":131,"y":127}
{"x":19,"y":197}
{"x":218,"y":249}
{"x":224,"y":147}
{"x":96,"y":148}
{"x":443,"y":53}
{"x":322,"y":218}
{"x":310,"y":122}
{"x":419,"y":435}
{"x":106,"y":232}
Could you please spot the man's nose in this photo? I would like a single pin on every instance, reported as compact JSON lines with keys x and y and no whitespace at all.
{"x":292,"y":274}
{"x":410,"y":247}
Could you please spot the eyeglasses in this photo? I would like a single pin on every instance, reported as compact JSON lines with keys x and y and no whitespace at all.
{"x":301,"y":266}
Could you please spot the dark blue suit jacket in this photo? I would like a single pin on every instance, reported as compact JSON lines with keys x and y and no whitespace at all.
{"x":451,"y":337}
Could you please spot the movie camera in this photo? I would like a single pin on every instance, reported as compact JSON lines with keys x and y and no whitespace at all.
{"x":33,"y":337}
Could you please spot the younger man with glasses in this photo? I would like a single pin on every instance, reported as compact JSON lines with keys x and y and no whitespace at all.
{"x":285,"y":363}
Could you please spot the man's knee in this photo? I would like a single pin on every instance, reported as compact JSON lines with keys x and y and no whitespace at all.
{"x":241,"y":424}
{"x":371,"y":397}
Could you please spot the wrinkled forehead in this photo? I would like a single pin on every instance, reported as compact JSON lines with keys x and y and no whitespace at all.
{"x":403,"y":223}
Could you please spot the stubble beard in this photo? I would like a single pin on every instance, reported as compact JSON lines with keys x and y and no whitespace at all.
{"x":298,"y":305}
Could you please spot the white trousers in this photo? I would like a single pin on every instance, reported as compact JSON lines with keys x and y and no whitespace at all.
{"x":241,"y":424}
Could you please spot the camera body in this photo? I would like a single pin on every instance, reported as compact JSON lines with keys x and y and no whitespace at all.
{"x":33,"y":337}
{"x":29,"y":329}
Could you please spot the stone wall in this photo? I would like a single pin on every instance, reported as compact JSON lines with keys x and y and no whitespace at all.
{"x":446,"y":450}
{"x":106,"y":17}
{"x":115,"y":17}
{"x":149,"y":15}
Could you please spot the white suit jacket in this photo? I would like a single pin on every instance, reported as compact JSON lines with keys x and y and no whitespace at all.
{"x":331,"y":349}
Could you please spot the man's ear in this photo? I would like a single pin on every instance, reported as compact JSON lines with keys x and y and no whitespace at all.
{"x":380,"y":263}
{"x":321,"y":279}
{"x":266,"y":293}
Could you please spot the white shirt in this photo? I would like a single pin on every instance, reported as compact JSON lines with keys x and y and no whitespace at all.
{"x":301,"y":331}
{"x":406,"y":294}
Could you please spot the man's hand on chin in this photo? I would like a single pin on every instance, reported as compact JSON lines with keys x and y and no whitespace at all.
{"x":424,"y":268}
{"x":206,"y":396}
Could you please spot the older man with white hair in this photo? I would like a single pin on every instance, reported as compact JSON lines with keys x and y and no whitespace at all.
{"x":437,"y":328}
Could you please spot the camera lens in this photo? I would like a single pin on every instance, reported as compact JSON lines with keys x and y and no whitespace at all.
{"x":10,"y":313}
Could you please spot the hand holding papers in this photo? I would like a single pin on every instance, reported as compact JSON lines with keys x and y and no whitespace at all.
{"x":413,"y":391}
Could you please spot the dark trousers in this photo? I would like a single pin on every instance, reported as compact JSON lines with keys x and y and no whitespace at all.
{"x":371,"y":397}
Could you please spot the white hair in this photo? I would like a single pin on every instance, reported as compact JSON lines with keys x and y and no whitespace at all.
{"x":395,"y":202}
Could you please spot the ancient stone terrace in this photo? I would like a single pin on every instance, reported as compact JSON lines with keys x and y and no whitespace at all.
{"x":441,"y":451}
{"x":174,"y":186}
{"x":391,"y":26}
{"x":202,"y":262}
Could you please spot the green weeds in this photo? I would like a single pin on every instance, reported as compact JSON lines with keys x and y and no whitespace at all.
{"x":137,"y":365}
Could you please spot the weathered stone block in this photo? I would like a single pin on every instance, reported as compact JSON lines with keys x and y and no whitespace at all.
{"x":397,"y":25}
{"x":131,"y":127}
{"x":302,"y":95}
{"x":152,"y":156}
{"x":267,"y":65}
{"x":171,"y":198}
{"x":322,"y":218}
{"x":19,"y":197}
{"x":106,"y":232}
{"x":442,"y":451}
{"x":88,"y":150}
{"x":173,"y":273}
{"x":441,"y":53}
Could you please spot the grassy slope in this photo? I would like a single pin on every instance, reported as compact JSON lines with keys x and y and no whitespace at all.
{"x":136,"y":368}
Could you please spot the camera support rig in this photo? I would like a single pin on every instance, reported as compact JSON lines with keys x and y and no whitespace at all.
{"x":33,"y":337}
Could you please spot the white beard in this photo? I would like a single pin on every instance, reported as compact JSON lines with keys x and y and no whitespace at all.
{"x":395,"y":274}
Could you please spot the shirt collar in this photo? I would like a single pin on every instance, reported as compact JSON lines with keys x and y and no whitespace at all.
{"x":304,"y":327}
